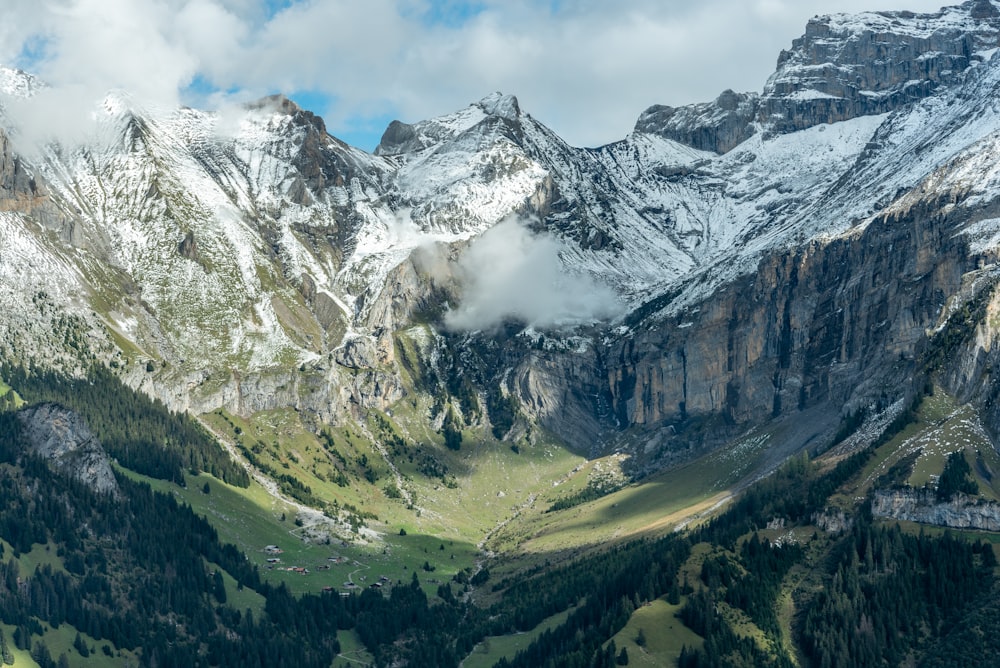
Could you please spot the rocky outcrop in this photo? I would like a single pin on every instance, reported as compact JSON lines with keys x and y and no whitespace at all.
{"x":833,"y":520}
{"x":21,"y":191}
{"x":61,"y":437}
{"x":562,"y":389}
{"x":188,"y":247}
{"x":399,"y":138}
{"x":359,"y":352}
{"x":18,"y":188}
{"x":921,"y":505}
{"x":849,"y":66}
{"x":718,"y":126}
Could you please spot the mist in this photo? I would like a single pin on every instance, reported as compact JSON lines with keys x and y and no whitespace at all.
{"x":511,"y":273}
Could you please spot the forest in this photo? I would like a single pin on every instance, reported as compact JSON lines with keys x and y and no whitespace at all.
{"x":141,"y":574}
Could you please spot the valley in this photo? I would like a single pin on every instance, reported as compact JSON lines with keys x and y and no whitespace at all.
{"x":722,"y":392}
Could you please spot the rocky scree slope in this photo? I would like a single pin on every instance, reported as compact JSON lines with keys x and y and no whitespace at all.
{"x":798,"y":249}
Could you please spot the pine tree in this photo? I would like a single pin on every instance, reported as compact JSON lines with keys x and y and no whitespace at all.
{"x":956,"y":477}
{"x":80,"y":646}
{"x":5,"y":652}
{"x":219,"y":587}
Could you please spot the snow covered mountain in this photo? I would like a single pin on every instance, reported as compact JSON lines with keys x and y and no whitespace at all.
{"x":767,"y":253}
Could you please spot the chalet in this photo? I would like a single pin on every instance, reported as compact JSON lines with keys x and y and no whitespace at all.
{"x":375,"y":585}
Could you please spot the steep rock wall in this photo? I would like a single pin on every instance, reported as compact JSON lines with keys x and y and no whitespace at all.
{"x":920,"y":505}
{"x":61,"y":437}
{"x":839,"y":321}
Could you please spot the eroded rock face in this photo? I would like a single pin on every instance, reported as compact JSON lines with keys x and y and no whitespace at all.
{"x":359,"y":352}
{"x":834,"y":321}
{"x":61,"y":437}
{"x":564,"y":391}
{"x":921,"y":505}
{"x":21,"y":191}
{"x":717,"y":126}
{"x":833,"y":520}
{"x":843,"y":67}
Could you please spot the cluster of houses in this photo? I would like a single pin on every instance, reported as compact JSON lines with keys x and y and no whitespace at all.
{"x":272,"y":560}
{"x":381,"y":582}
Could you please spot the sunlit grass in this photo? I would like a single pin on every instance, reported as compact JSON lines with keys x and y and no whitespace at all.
{"x":494,"y":648}
{"x":664,"y":633}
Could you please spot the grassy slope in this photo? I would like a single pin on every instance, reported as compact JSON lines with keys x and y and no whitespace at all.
{"x":664,"y":632}
{"x":5,"y":388}
{"x":491,"y":650}
{"x":655,"y":506}
{"x":941,"y":427}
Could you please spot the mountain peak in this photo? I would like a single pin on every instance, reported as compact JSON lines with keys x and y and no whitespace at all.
{"x":17,"y":83}
{"x":400,"y":138}
{"x":843,"y":66}
{"x":498,"y":104}
{"x":851,"y":65}
{"x":279,"y":104}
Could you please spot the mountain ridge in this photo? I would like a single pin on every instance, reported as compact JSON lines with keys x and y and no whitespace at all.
{"x":693,"y":355}
{"x":256,"y":263}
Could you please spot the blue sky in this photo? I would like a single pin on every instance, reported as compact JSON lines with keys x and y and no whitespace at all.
{"x":586,"y":68}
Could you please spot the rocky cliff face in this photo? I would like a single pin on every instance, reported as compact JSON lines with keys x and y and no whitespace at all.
{"x":718,"y":126}
{"x":838,"y":321}
{"x":843,"y":67}
{"x":61,"y":437}
{"x":850,"y":66}
{"x":920,"y":505}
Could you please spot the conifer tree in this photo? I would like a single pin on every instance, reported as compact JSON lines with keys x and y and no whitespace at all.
{"x":5,"y":652}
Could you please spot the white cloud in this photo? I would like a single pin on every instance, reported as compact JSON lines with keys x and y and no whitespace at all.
{"x":586,"y":68}
{"x":509,"y":273}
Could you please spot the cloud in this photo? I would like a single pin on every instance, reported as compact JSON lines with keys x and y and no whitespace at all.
{"x":587,"y":69}
{"x":84,"y":49}
{"x":510,"y":273}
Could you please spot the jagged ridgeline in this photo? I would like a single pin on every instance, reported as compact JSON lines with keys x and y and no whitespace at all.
{"x":140,"y":432}
{"x":724,"y":265}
